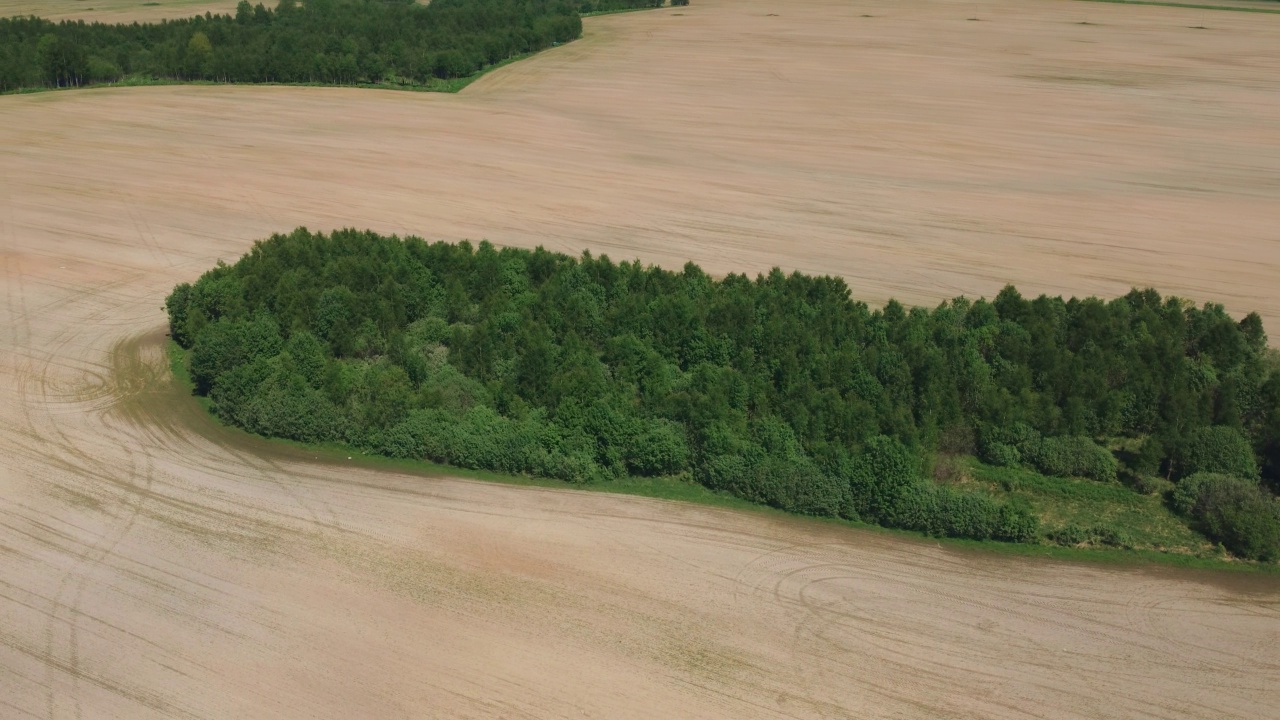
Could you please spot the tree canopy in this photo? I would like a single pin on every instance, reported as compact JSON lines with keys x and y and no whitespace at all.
{"x":780,"y":389}
{"x":299,"y":41}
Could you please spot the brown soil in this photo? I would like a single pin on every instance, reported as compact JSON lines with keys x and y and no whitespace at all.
{"x":114,"y":11}
{"x":916,"y":153}
{"x":152,"y":565}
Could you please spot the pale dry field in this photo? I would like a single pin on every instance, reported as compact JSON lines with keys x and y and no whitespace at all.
{"x":152,"y":565}
{"x":917,"y":153}
{"x":116,"y":11}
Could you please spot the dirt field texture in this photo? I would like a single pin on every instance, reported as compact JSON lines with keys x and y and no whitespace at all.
{"x":155,"y":566}
{"x":115,"y":11}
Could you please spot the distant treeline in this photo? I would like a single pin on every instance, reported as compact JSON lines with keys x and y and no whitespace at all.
{"x":779,"y":389}
{"x":299,"y":41}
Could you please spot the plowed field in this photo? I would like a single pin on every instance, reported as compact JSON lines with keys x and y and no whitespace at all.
{"x":153,"y":565}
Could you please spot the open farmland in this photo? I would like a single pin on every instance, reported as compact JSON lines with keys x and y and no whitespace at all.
{"x":153,"y":565}
{"x":916,"y":153}
{"x":114,"y":11}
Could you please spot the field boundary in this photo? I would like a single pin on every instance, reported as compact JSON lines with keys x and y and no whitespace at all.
{"x":1162,"y":3}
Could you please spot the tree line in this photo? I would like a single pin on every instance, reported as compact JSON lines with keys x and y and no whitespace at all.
{"x":780,"y":389}
{"x":396,"y":42}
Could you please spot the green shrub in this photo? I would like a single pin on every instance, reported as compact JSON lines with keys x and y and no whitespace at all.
{"x":1016,"y":523}
{"x":883,"y":476}
{"x":1216,"y":449}
{"x":789,"y":483}
{"x":1072,"y":457}
{"x":912,"y":505}
{"x":1001,"y":455}
{"x":967,"y":515}
{"x":1001,"y":445}
{"x":656,"y":447}
{"x":1234,"y":511}
{"x":226,"y":345}
{"x":293,"y":410}
{"x":943,"y":511}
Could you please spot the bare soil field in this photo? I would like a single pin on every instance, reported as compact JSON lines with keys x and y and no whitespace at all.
{"x":153,"y":565}
{"x":115,"y":11}
{"x":918,"y":153}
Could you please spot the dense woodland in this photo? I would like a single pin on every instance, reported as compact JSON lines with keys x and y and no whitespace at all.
{"x":779,"y":389}
{"x":395,"y":42}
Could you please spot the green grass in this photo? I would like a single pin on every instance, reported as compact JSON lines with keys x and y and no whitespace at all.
{"x":1037,"y":488}
{"x":1138,"y":521}
{"x":1188,"y":5}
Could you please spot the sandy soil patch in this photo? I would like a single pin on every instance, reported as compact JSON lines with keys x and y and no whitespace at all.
{"x":115,"y":11}
{"x":153,"y":566}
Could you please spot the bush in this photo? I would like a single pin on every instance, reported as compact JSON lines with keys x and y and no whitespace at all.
{"x":912,"y":505}
{"x":1216,"y":449}
{"x":1233,"y":511}
{"x":876,"y":477}
{"x":999,"y":445}
{"x":1001,"y":455}
{"x":657,"y":447}
{"x":226,"y":345}
{"x":967,"y":515}
{"x":1016,"y":523}
{"x":790,"y":483}
{"x":482,"y":439}
{"x":295,"y":411}
{"x":1072,"y":457}
{"x":943,"y":511}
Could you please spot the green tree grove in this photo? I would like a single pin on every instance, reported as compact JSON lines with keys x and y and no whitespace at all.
{"x":397,"y":42}
{"x":779,"y":389}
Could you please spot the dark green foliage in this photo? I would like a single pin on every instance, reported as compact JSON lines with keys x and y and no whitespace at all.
{"x":1234,"y":511}
{"x":1001,"y":454}
{"x":884,"y":482}
{"x":481,"y":438}
{"x":1071,"y":456}
{"x":779,"y":389}
{"x":1062,"y":456}
{"x":1215,"y":449}
{"x":225,"y":346}
{"x":315,"y":41}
